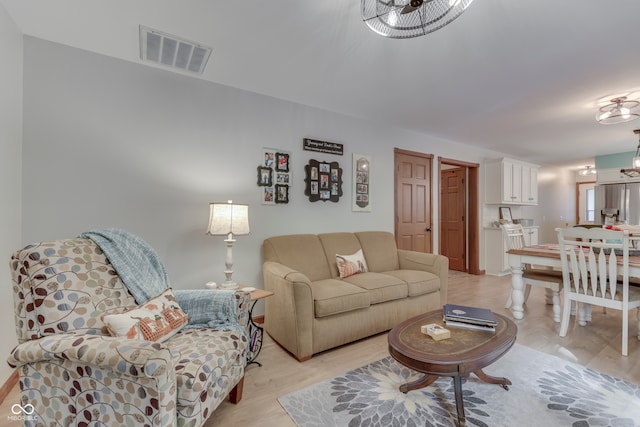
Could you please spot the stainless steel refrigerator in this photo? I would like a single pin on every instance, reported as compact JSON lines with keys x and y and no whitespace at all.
{"x":617,"y":204}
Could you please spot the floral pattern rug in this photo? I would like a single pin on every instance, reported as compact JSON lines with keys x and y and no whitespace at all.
{"x":545,"y":391}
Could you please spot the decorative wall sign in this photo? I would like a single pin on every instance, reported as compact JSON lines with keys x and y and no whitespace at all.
{"x":322,"y":146}
{"x":274,"y":177}
{"x":324,"y":181}
{"x":361,"y":190}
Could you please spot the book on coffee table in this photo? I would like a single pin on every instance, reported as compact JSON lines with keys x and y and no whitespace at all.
{"x":469,"y":315}
{"x":464,"y":325}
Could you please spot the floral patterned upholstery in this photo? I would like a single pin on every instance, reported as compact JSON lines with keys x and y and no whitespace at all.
{"x":74,"y":373}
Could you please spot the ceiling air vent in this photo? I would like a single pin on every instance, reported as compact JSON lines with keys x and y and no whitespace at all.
{"x":171,"y":51}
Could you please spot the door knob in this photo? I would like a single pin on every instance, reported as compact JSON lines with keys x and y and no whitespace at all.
{"x":428,"y":229}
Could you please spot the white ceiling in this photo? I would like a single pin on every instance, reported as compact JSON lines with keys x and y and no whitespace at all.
{"x":523,"y":77}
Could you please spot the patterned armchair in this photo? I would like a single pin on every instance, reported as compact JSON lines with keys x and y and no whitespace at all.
{"x":74,"y":373}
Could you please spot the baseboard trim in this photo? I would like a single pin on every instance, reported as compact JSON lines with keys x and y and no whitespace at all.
{"x":9,"y":385}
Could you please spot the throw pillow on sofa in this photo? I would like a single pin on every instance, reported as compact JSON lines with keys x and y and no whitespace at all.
{"x":348,"y":265}
{"x":158,"y":319}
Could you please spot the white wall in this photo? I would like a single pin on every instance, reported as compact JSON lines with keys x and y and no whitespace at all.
{"x":10,"y":172}
{"x":112,"y":143}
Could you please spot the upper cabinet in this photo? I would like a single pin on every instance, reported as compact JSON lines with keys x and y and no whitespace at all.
{"x":511,"y":182}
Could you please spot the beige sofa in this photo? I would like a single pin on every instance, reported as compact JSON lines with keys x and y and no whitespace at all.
{"x":313,"y":310}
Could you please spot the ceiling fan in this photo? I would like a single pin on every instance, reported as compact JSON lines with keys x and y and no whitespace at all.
{"x":412,"y":6}
{"x":410,"y":18}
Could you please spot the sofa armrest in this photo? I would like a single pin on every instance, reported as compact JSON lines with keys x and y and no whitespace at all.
{"x":289,"y":312}
{"x":121,"y":355}
{"x":433,"y":263}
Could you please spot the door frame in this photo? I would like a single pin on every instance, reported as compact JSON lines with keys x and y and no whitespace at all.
{"x":578,"y":192}
{"x":473,"y":210}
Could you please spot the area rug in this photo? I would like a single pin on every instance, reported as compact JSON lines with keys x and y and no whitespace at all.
{"x":545,"y":391}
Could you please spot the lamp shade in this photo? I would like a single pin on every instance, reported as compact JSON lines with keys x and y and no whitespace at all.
{"x":225,"y":218}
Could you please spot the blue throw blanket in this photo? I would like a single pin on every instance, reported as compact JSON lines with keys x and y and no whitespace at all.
{"x":143,"y":273}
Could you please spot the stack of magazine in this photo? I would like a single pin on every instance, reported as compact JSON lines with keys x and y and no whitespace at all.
{"x":469,"y":317}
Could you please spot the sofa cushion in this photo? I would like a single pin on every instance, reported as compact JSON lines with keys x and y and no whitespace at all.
{"x":301,"y":252}
{"x":381,"y":287}
{"x":418,"y":282}
{"x":205,"y":358}
{"x":380,"y":250}
{"x":333,"y":296}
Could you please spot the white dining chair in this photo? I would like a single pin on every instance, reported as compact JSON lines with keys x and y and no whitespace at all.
{"x":546,"y":278}
{"x":595,"y":268}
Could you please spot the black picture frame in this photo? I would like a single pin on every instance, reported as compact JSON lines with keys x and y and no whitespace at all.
{"x":282,"y":193}
{"x":265,"y":176}
{"x":323,"y":181}
{"x":282,"y":162}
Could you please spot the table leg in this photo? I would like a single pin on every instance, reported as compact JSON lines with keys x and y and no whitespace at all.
{"x":425,"y":381}
{"x":504,"y":382}
{"x":556,"y":306}
{"x":457,"y":387}
{"x":517,"y":296}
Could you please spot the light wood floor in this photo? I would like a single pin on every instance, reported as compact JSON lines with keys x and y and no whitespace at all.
{"x":596,"y":346}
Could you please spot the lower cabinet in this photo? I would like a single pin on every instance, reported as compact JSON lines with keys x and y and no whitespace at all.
{"x":496,"y":258}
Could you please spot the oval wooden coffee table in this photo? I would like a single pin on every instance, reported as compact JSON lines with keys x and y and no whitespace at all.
{"x":467,"y":351}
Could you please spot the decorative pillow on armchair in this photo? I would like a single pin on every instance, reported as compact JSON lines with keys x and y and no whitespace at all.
{"x":348,"y":265}
{"x":158,"y":319}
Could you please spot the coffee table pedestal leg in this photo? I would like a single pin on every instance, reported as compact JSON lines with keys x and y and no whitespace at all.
{"x":504,"y":382}
{"x":423,"y":382}
{"x":428,"y":379}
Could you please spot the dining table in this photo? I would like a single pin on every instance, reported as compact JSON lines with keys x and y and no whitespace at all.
{"x":545,"y":255}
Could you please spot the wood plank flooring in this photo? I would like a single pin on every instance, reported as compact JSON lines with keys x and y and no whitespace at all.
{"x":596,"y":346}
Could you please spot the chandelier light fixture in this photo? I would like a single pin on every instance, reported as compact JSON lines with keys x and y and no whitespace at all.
{"x":620,"y":110}
{"x":588,"y":170}
{"x":636,"y":158}
{"x":401,"y":19}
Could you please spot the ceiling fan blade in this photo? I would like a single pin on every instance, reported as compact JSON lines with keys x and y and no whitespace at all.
{"x":408,"y":9}
{"x":411,"y":6}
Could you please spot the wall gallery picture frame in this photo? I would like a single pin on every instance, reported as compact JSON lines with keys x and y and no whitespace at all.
{"x":265,"y":176}
{"x":361,"y":183}
{"x":323,"y":181}
{"x":282,"y":193}
{"x":274,"y":176}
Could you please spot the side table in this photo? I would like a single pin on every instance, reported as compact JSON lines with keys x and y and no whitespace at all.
{"x":256,"y":331}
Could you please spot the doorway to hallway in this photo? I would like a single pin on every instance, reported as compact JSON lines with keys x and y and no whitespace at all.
{"x":459,"y":228}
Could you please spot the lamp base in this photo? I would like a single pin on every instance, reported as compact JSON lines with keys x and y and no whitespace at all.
{"x":228,"y":285}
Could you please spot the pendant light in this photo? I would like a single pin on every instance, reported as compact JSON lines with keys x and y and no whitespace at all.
{"x":619,"y":111}
{"x":636,"y":157}
{"x":587,"y":171}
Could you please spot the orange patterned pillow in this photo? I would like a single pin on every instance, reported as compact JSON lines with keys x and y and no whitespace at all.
{"x":348,"y":265}
{"x":156,"y":320}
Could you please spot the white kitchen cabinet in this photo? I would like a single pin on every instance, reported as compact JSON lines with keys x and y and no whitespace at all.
{"x":530,"y":185}
{"x":530,"y":236}
{"x":497,"y":261}
{"x":511,"y":182}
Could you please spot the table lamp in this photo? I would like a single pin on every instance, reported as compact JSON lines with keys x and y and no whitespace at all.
{"x":228,"y":219}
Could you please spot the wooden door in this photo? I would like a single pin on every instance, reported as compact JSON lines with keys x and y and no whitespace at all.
{"x":413,"y":200}
{"x":453,"y":229}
